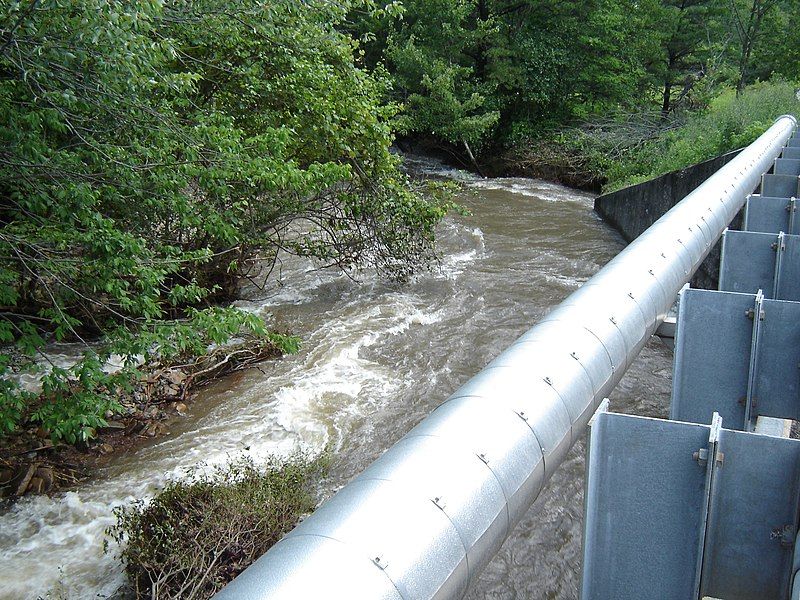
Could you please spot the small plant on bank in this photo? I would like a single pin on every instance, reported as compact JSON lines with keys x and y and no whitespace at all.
{"x":195,"y":536}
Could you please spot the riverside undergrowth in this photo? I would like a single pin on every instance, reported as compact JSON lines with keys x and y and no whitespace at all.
{"x":624,"y":148}
{"x":196,"y":535}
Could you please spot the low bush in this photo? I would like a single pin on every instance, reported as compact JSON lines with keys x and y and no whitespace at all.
{"x":197,"y":535}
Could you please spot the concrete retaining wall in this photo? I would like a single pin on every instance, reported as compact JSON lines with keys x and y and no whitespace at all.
{"x":633,"y":209}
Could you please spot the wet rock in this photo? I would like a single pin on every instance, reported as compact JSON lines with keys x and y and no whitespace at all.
{"x":112,"y":426}
{"x":36,"y":486}
{"x":135,"y":427}
{"x":25,"y":480}
{"x":154,"y":429}
{"x":47,"y":477}
{"x":6,"y":475}
{"x":176,"y":378}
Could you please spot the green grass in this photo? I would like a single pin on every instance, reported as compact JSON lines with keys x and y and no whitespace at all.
{"x":729,"y":122}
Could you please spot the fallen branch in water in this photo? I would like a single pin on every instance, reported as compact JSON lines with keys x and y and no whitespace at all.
{"x":160,"y":390}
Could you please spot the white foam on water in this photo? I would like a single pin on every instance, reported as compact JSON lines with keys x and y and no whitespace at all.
{"x":534,"y":188}
{"x":336,"y":380}
{"x":432,"y":167}
{"x":308,"y":405}
{"x":50,"y":542}
{"x":455,"y":263}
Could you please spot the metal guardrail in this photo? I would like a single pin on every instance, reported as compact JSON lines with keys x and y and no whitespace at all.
{"x":737,"y":355}
{"x":753,"y":261}
{"x":684,"y":508}
{"x":678,"y":511}
{"x":426,"y":517}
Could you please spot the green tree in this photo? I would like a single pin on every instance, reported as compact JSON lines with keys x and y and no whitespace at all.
{"x":687,"y":33}
{"x":747,"y":19}
{"x":436,"y":59}
{"x":479,"y":71}
{"x":778,"y":49}
{"x":148,"y":151}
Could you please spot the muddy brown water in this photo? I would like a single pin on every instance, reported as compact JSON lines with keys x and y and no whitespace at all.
{"x":376,"y":359}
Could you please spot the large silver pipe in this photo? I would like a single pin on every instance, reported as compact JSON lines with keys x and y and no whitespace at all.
{"x":426,"y":517}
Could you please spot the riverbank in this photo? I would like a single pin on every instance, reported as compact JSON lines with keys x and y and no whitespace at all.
{"x":32,"y":464}
{"x":545,"y":161}
{"x":606,"y":153}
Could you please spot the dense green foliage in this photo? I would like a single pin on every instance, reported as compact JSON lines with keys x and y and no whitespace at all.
{"x":153,"y":151}
{"x":623,"y":150}
{"x":195,"y":536}
{"x":729,"y":122}
{"x":494,"y":73}
{"x":149,"y":150}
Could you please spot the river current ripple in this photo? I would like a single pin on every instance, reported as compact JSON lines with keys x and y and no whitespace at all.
{"x":376,"y":359}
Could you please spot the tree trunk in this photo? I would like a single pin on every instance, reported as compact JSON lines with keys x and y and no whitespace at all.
{"x":665,"y":104}
{"x":472,"y":159}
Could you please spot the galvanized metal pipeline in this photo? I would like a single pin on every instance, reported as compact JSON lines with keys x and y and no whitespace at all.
{"x":429,"y":514}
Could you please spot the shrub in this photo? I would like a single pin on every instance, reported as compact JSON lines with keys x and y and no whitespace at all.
{"x":621,"y":149}
{"x":152,"y":152}
{"x":195,"y":536}
{"x":729,"y":122}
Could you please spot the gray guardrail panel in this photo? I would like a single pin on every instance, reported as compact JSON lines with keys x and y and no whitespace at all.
{"x":752,"y":520}
{"x":787,"y":166}
{"x":791,"y":153}
{"x":753,"y":261}
{"x":777,"y":382}
{"x":747,"y":263}
{"x":783,"y":186}
{"x":677,"y":509}
{"x":716,"y":357}
{"x":712,"y":356}
{"x":771,"y":215}
{"x":644,"y":509}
